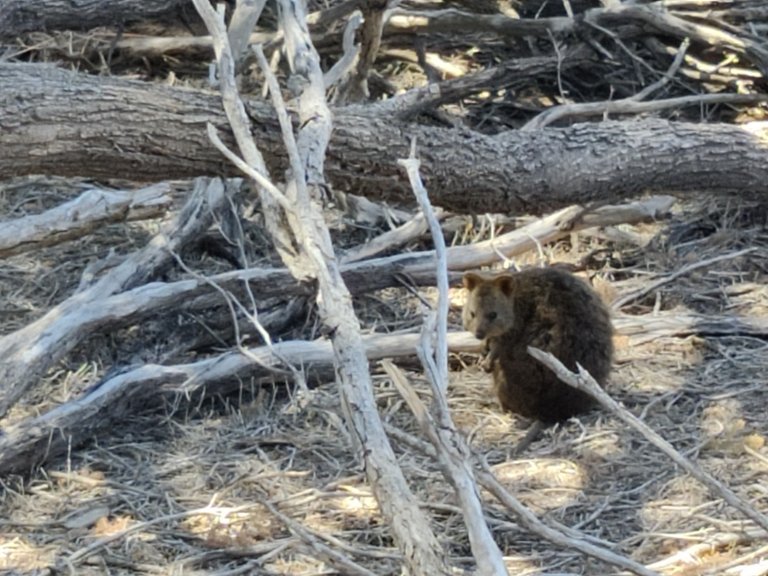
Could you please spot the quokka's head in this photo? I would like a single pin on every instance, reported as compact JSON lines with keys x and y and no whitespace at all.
{"x":488,"y":311}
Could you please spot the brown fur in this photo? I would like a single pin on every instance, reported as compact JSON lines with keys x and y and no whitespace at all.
{"x":549,"y":309}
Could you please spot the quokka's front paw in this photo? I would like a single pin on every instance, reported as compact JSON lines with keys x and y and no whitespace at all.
{"x":487,"y":363}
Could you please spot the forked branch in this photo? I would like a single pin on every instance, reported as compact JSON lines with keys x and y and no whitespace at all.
{"x":306,"y":153}
{"x":584,"y":382}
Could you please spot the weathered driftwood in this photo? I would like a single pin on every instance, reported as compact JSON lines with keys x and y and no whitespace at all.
{"x":29,"y":352}
{"x":81,"y":216}
{"x":108,"y":308}
{"x":162,"y":129}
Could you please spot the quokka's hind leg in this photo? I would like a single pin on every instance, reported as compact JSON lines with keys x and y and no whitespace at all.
{"x":533,"y":434}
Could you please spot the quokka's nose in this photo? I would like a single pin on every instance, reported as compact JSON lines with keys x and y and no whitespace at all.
{"x":480,"y":334}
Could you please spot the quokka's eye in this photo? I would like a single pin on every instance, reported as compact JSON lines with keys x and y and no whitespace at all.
{"x":492,"y":315}
{"x":471,"y":314}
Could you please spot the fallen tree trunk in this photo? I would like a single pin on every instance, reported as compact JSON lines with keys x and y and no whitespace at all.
{"x":19,"y":16}
{"x":151,"y":132}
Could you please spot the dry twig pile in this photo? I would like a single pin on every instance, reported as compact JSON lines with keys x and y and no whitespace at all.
{"x":214,"y":373}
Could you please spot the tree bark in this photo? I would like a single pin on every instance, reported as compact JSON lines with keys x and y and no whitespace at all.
{"x":58,"y":122}
{"x":19,"y":16}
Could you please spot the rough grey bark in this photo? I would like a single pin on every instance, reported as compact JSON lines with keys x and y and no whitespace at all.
{"x":19,"y":16}
{"x":59,"y":122}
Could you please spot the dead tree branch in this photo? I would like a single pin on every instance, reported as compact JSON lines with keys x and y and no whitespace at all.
{"x":583,"y":381}
{"x":81,"y":216}
{"x":35,"y":441}
{"x":306,"y":154}
{"x":29,"y":352}
{"x":453,"y":453}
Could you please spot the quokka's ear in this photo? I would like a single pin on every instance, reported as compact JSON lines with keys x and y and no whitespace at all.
{"x":471,"y":280}
{"x":506,"y":284}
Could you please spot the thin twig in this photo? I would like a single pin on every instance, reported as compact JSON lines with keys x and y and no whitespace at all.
{"x":261,"y":179}
{"x":331,"y":555}
{"x":630,"y":106}
{"x":450,"y":445}
{"x":351,"y":52}
{"x":441,"y":349}
{"x":139,"y":526}
{"x":618,"y":303}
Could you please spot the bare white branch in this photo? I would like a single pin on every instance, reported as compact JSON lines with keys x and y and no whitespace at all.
{"x":584,"y":382}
